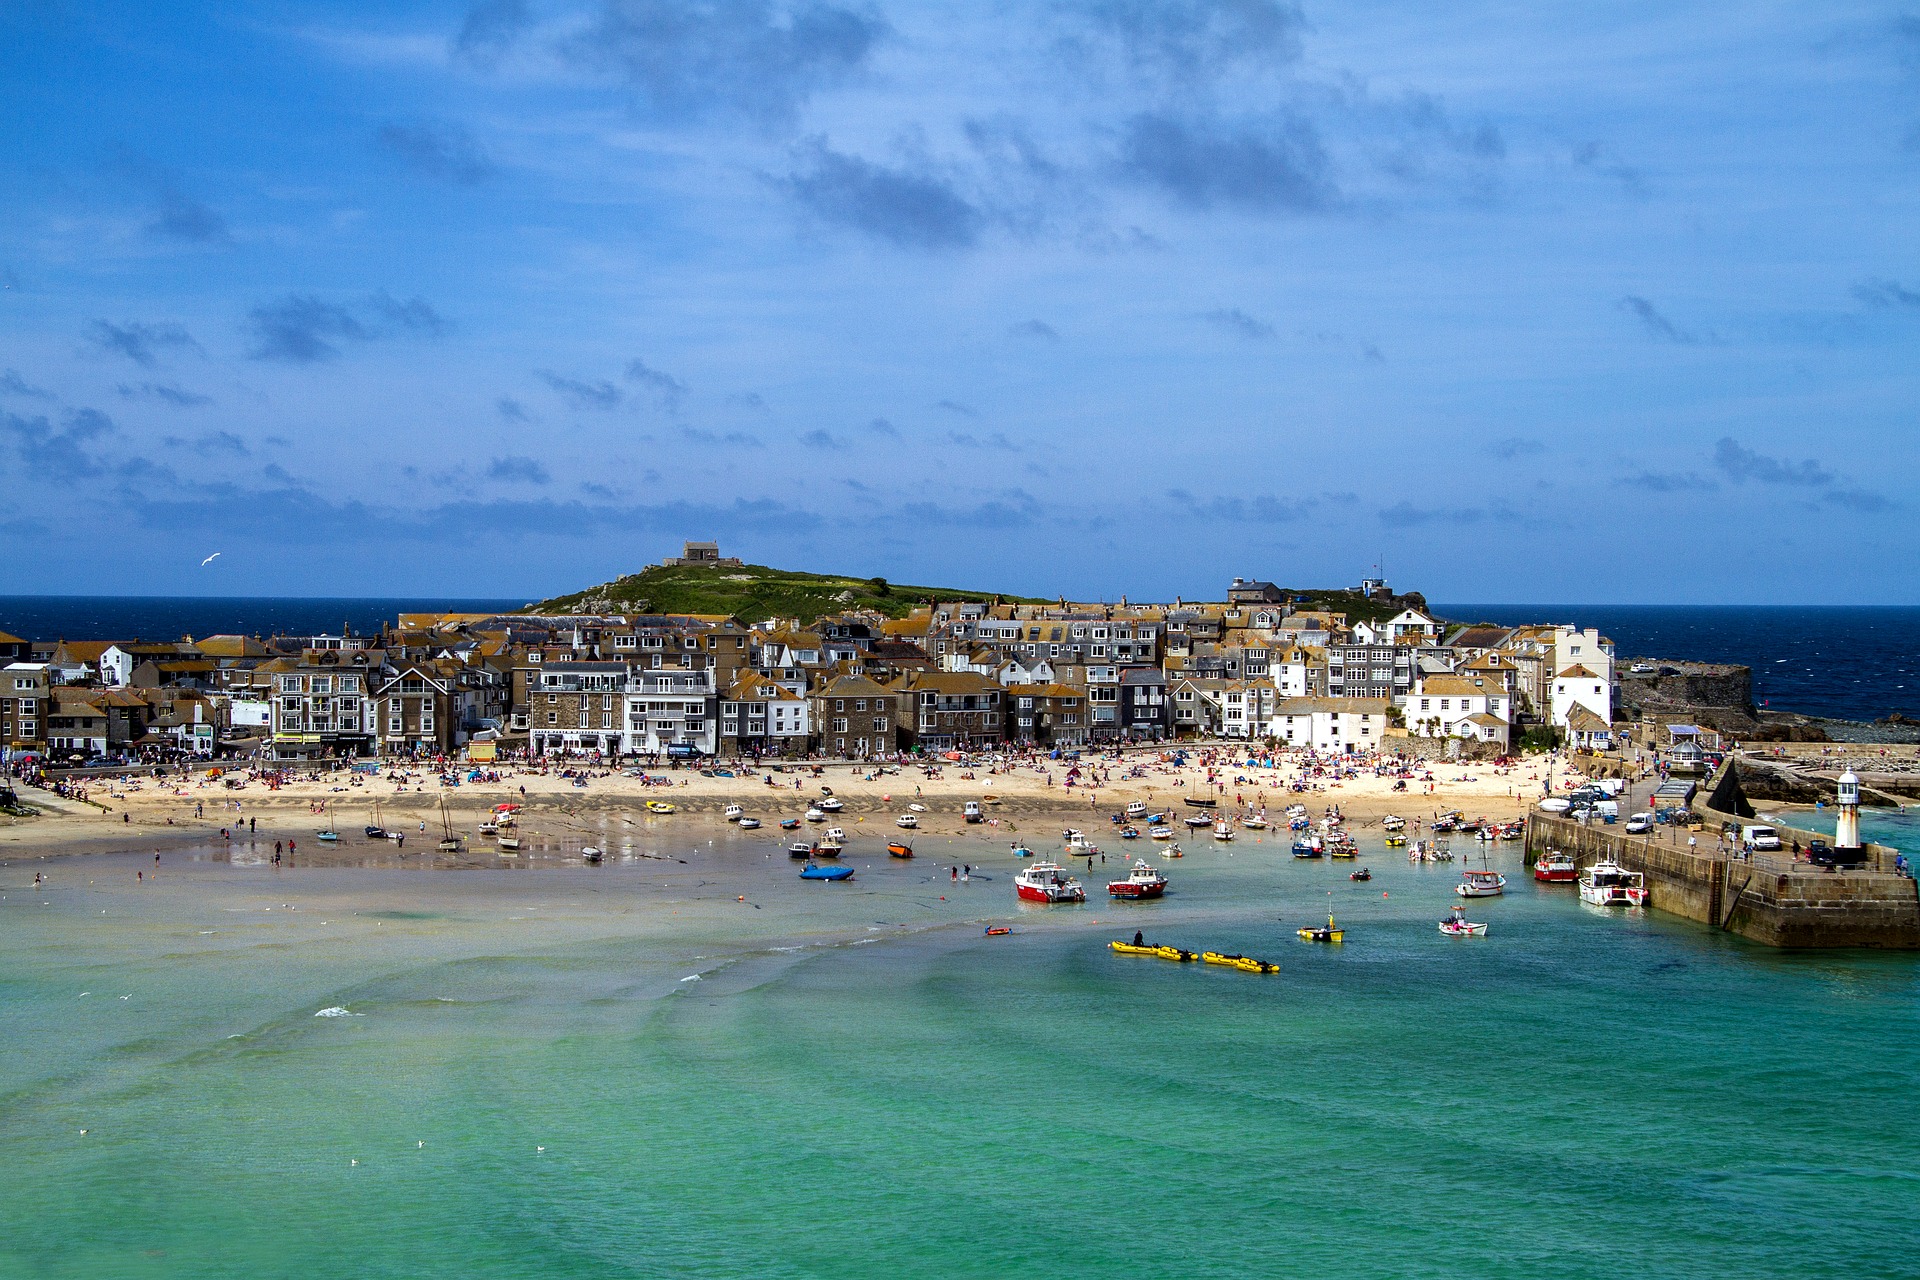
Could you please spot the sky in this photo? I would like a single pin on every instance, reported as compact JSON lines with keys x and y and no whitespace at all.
{"x":1606,"y":303}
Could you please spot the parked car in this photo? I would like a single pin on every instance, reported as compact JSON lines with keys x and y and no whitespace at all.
{"x":1638,"y":823}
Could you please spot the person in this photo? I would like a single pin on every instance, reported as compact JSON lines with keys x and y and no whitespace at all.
{"x":253,"y":826}
{"x":1139,"y":938}
{"x":953,"y":873}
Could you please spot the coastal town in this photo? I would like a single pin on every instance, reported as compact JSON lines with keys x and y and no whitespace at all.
{"x":948,"y":675}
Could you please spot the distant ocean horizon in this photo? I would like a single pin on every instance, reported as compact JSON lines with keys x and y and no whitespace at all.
{"x":1850,"y":663}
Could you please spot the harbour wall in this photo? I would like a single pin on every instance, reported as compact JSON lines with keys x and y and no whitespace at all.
{"x":1767,"y":899}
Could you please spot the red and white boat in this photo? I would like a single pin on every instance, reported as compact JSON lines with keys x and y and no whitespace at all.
{"x":1144,"y":881}
{"x":1047,"y":882}
{"x":1555,"y":867}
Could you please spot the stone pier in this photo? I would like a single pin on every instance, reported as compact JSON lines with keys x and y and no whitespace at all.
{"x":1769,"y":899}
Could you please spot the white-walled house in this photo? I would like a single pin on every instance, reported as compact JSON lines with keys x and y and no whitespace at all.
{"x":1407,"y":626}
{"x":1582,"y":677}
{"x":1472,"y":707}
{"x":1330,"y":724}
{"x":1246,"y":708}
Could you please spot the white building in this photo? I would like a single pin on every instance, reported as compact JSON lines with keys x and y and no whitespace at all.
{"x":1582,"y":677}
{"x":671,"y":712}
{"x":1330,"y":724}
{"x":1471,"y":706}
{"x":1409,"y":626}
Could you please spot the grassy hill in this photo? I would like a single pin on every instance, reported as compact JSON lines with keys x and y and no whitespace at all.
{"x":751,"y":592}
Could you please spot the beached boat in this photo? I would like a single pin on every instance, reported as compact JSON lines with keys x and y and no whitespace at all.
{"x":831,"y":805}
{"x":1047,"y":882}
{"x":1160,"y":833}
{"x":374,"y":831}
{"x":1137,"y":810}
{"x":1144,"y":881}
{"x":970,"y":811}
{"x":488,"y":827}
{"x":330,"y":836}
{"x":1021,"y":851}
{"x":1202,"y":802}
{"x":917,"y":807}
{"x":814,"y":871}
{"x":789,"y":824}
{"x":1255,"y":823}
{"x":733,"y":813}
{"x":1129,"y":833}
{"x":659,"y":806}
{"x":449,"y":842}
{"x":509,"y":843}
{"x":1456,"y":925}
{"x":1555,"y":804}
{"x":592,"y":854}
{"x":906,"y":820}
{"x":1393,"y":822}
{"x":1555,"y":867}
{"x":899,"y":850}
{"x":1199,"y":820}
{"x":827,"y":847}
{"x":816,"y":814}
{"x":1484,"y":883}
{"x":749,"y":824}
{"x":1608,"y":884}
{"x":1222,"y":831}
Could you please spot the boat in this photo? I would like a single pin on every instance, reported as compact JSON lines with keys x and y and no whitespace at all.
{"x":1555,"y":804}
{"x":1180,"y":954}
{"x":591,"y":854}
{"x":917,"y":807}
{"x":1144,"y":881}
{"x":488,"y":827}
{"x":449,"y":842}
{"x":1484,"y":883}
{"x":1137,"y":810}
{"x":816,"y":814}
{"x":789,"y":824}
{"x":1513,"y":830}
{"x":800,"y":849}
{"x":1222,"y":831}
{"x":330,"y":836}
{"x":1078,"y":846}
{"x":1343,"y":849}
{"x":831,"y":805}
{"x":1255,"y":823}
{"x":373,"y":829}
{"x":659,"y":806}
{"x":827,"y":847}
{"x":834,"y":835}
{"x":906,"y":820}
{"x":1021,"y":851}
{"x":814,"y":871}
{"x":733,"y":813}
{"x":1202,"y":802}
{"x":1244,"y":963}
{"x":1199,"y":820}
{"x":1173,"y":852}
{"x":1160,"y":833}
{"x":995,"y":930}
{"x":1331,"y":932}
{"x":1047,"y":882}
{"x":899,"y":850}
{"x":1456,"y":925}
{"x":1129,"y":833}
{"x":1134,"y":949}
{"x":1361,"y":874}
{"x":1608,"y":884}
{"x":1393,"y":822}
{"x":509,"y":843}
{"x":970,"y":811}
{"x":1308,"y":847}
{"x":749,"y":824}
{"x":1555,"y":867}
{"x":1397,"y":841}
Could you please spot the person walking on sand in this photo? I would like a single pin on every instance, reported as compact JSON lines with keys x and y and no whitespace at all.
{"x":953,"y":873}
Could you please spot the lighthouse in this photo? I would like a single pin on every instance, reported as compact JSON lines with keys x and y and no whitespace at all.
{"x":1846,"y":827}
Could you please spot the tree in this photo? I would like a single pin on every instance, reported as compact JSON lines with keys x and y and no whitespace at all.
{"x":880,"y":587}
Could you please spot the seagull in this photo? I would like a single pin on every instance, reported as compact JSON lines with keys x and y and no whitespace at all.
{"x":210,"y":559}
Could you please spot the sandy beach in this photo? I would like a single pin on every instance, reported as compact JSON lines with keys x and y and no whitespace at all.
{"x":1027,"y":800}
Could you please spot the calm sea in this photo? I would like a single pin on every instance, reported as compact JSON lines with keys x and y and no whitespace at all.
{"x":711,"y":1069}
{"x":1849,"y":663}
{"x":1853,"y":664}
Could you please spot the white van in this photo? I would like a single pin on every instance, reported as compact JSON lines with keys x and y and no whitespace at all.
{"x":1638,"y":823}
{"x":1757,"y":837}
{"x":1607,"y":810}
{"x":1612,"y":786}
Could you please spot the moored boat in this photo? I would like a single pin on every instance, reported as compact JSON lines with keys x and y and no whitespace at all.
{"x":789,"y":824}
{"x":733,"y":813}
{"x":1160,"y":833}
{"x":1047,"y":882}
{"x":659,"y":806}
{"x":907,"y":821}
{"x":1144,"y":881}
{"x":1330,"y":932}
{"x":1308,"y":847}
{"x":1456,"y":925}
{"x":814,"y":871}
{"x":898,"y":850}
{"x":800,"y":849}
{"x":1222,"y":831}
{"x":1484,"y":883}
{"x":1555,"y":867}
{"x":1137,"y":810}
{"x":1608,"y":884}
{"x":1254,"y":823}
{"x":749,"y":824}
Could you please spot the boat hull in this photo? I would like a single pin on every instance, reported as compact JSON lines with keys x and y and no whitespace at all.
{"x":1128,"y":889}
{"x":1031,"y":893}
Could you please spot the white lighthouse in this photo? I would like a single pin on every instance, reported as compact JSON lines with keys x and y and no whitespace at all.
{"x":1846,"y":826}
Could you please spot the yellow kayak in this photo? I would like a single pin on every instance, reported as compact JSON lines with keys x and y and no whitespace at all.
{"x":1129,"y":949}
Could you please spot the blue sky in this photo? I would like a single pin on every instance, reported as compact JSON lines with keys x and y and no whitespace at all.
{"x":1616,"y":303}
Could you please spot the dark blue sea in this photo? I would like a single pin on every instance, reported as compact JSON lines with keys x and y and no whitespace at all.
{"x":1848,"y":663}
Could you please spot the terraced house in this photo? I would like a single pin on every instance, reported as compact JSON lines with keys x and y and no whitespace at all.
{"x":857,"y":716}
{"x":951,"y":710}
{"x":577,"y":706}
{"x":322,"y":705}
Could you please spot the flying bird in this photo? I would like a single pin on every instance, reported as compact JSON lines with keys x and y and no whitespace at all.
{"x":210,"y":559}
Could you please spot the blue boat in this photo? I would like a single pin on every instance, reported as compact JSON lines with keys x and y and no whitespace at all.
{"x":814,"y":871}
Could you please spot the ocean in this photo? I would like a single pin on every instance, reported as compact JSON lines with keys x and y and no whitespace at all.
{"x":1846,"y":663}
{"x":710,"y":1069}
{"x":1851,"y":664}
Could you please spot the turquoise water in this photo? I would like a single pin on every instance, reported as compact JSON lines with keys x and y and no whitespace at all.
{"x":861,"y":1084}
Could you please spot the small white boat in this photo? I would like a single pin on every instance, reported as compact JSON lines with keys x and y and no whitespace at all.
{"x":832,"y":805}
{"x":1608,"y":884}
{"x":509,"y":843}
{"x":1137,"y":810}
{"x":1222,"y":831}
{"x":489,"y":828}
{"x":816,"y":814}
{"x":1199,"y":820}
{"x":1255,"y":823}
{"x":906,"y":820}
{"x":917,"y":807}
{"x":1555,"y":804}
{"x":1160,"y":833}
{"x":1393,"y":822}
{"x":749,"y":824}
{"x":1078,"y":846}
{"x":1456,"y":925}
{"x":834,"y":834}
{"x":591,"y":853}
{"x":1480,"y":884}
{"x":733,"y":813}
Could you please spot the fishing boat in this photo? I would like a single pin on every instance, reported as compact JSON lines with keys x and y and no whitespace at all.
{"x":1160,"y":833}
{"x":1077,"y":844}
{"x":1456,"y":925}
{"x":814,"y":871}
{"x":1047,"y":882}
{"x":1137,"y":810}
{"x":1608,"y":884}
{"x":816,"y":814}
{"x":749,"y":824}
{"x":831,"y":805}
{"x":659,"y":806}
{"x":1255,"y":823}
{"x":1222,"y":831}
{"x":800,"y":849}
{"x":1144,"y":881}
{"x":1330,"y":932}
{"x":899,"y":850}
{"x":449,"y":842}
{"x":1361,"y":874}
{"x":1342,"y":848}
{"x":827,"y":847}
{"x":1555,"y":867}
{"x":835,"y":835}
{"x":1482,"y":883}
{"x":906,"y":820}
{"x":1308,"y":847}
{"x":733,"y":813}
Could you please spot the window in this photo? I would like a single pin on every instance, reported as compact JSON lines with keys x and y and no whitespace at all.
{"x":840,"y":725}
{"x":288,"y":684}
{"x":553,"y":719}
{"x":839,"y":704}
{"x":860,"y":704}
{"x":880,"y":724}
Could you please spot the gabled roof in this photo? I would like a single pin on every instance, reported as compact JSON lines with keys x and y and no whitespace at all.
{"x":1576,"y":672}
